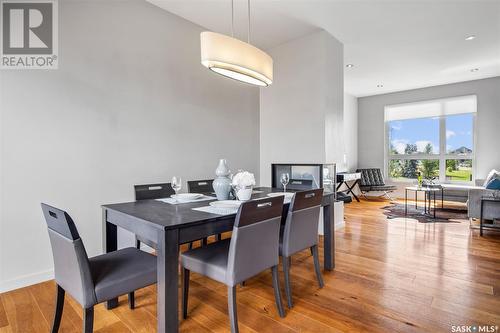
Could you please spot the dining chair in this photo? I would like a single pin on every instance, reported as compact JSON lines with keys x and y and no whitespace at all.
{"x":92,"y":280}
{"x":301,"y":232}
{"x":203,"y":187}
{"x":252,"y":249}
{"x":149,"y":192}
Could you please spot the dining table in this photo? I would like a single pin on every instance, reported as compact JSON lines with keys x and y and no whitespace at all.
{"x":170,"y":225}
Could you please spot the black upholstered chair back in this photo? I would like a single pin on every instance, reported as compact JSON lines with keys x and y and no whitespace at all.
{"x":255,"y":239}
{"x":301,"y":226}
{"x":371,"y":177}
{"x":201,"y":186}
{"x":71,"y":263}
{"x":153,"y":191}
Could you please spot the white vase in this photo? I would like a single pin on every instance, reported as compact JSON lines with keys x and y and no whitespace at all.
{"x":222,"y":184}
{"x":245,"y":193}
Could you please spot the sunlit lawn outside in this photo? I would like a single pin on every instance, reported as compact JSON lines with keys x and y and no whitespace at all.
{"x":463,"y":174}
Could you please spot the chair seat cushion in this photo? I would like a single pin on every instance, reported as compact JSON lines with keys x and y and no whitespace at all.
{"x":120,"y":272}
{"x":365,"y":188}
{"x":383,"y":188}
{"x":210,"y":260}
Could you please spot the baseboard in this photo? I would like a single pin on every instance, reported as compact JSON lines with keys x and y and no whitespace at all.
{"x":147,"y":249}
{"x":339,"y":225}
{"x":26,"y":280}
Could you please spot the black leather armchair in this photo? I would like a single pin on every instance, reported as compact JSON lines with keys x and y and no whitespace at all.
{"x":373,"y":181}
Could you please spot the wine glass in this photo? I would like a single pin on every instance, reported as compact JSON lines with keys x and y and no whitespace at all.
{"x":285,"y":178}
{"x":176,"y":185}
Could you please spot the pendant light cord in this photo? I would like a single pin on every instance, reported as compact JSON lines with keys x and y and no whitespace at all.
{"x":248,"y":35}
{"x":232,"y":18}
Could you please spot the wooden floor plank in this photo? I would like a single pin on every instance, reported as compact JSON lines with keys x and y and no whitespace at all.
{"x":391,"y":276}
{"x":4,"y":322}
{"x":22,"y":312}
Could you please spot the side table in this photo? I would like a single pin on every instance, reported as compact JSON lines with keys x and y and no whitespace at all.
{"x":487,"y":201}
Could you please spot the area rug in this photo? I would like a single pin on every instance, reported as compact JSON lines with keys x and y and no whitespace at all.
{"x":443,"y":215}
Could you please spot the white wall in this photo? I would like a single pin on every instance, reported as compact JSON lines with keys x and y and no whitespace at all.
{"x":371,"y":120}
{"x":350,"y":131}
{"x":129,"y":104}
{"x":301,"y":112}
{"x":333,"y":98}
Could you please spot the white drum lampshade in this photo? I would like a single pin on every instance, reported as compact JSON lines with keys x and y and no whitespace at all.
{"x":236,"y":59}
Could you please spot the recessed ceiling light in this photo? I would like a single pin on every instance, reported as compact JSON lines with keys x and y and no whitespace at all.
{"x":471,"y":37}
{"x":474,"y":70}
{"x":380,"y":85}
{"x":349,"y":65}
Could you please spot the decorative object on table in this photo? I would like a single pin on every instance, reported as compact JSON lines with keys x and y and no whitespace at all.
{"x":187,"y":197}
{"x":243,"y":183}
{"x":305,"y":176}
{"x":285,"y":178}
{"x":233,"y":58}
{"x":176,"y":185}
{"x":183,"y":198}
{"x":419,"y":179}
{"x":444,"y":215}
{"x":222,"y":183}
{"x":429,"y":181}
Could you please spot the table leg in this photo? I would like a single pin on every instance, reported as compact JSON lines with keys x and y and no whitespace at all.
{"x":434,"y":204}
{"x":406,"y":201}
{"x":167,"y":284}
{"x":425,"y":202}
{"x":442,"y":198}
{"x":429,"y":207}
{"x":329,"y":237}
{"x":481,"y":219}
{"x":416,"y":200}
{"x":111,"y":244}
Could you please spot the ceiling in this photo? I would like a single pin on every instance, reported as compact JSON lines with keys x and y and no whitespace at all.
{"x":394,"y":45}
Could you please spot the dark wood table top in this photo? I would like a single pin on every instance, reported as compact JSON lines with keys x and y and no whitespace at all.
{"x":171,"y":216}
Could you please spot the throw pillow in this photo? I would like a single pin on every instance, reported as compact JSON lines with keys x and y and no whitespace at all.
{"x":494,"y":184}
{"x":490,"y":176}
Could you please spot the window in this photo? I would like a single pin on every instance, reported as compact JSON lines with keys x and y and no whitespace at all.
{"x":432,"y":138}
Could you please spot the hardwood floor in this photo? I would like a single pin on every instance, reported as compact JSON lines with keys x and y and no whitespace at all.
{"x":391,"y":276}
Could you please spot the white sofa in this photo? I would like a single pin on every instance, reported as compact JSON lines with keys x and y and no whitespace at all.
{"x":460,"y":192}
{"x":474,"y":202}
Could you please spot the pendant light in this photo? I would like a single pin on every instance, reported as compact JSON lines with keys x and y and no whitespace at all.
{"x":234,"y":58}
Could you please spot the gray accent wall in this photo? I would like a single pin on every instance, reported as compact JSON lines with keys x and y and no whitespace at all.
{"x":301,"y":113}
{"x":350,"y":131}
{"x":129,"y":104}
{"x":371,"y":121}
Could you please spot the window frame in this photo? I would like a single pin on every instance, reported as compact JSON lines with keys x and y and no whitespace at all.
{"x":442,"y":156}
